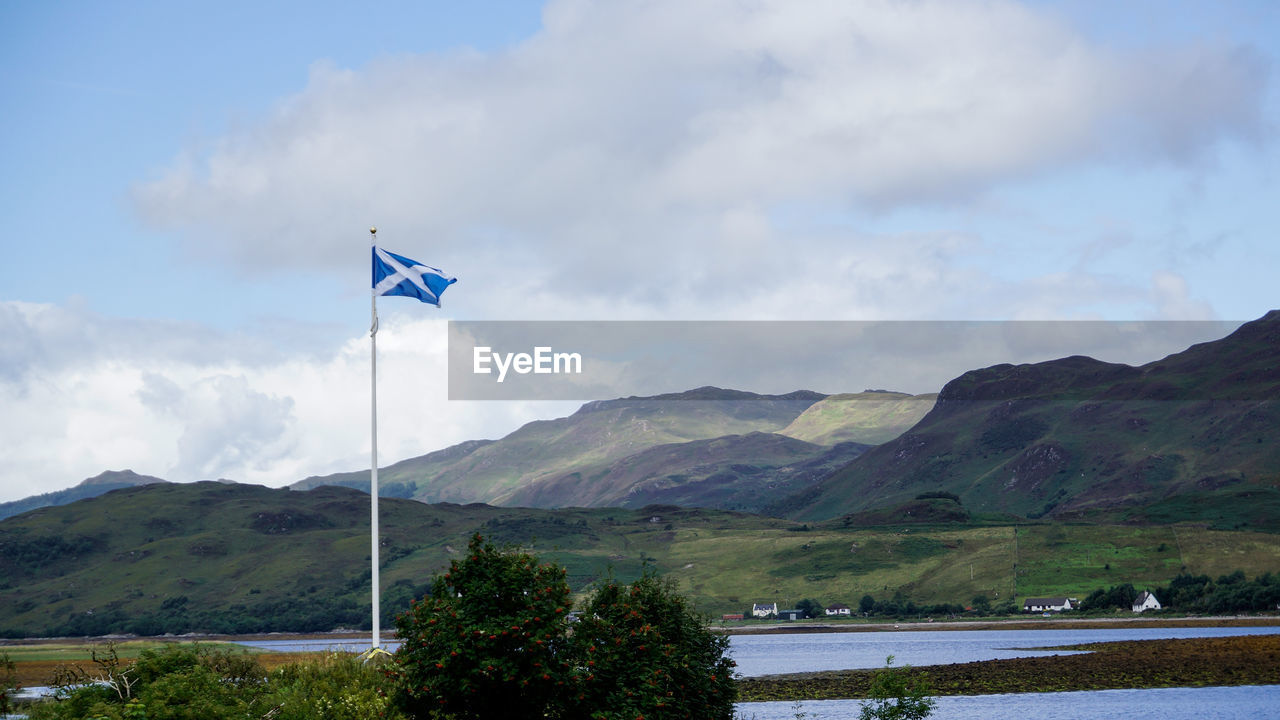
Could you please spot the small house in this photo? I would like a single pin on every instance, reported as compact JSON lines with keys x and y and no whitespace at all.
{"x":838,"y":609}
{"x":791,"y":615}
{"x":761,"y":610}
{"x":1047,"y":604}
{"x":1145,"y":601}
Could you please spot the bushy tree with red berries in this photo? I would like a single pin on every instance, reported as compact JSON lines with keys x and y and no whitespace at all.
{"x":647,"y":655}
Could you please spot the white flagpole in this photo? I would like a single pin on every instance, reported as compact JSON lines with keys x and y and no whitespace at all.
{"x":373,"y":470}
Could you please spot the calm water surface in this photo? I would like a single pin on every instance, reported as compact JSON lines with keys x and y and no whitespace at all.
{"x":773,"y":654}
{"x":812,"y":652}
{"x":1251,"y":702}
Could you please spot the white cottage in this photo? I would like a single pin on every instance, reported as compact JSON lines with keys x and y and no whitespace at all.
{"x":764,"y":610}
{"x":1146,"y":601}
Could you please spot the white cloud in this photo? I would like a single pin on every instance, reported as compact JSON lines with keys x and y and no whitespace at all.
{"x":161,"y":410}
{"x":630,"y":144}
{"x":662,"y":159}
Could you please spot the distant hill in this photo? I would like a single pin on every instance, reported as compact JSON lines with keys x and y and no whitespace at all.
{"x":226,"y":557}
{"x":744,"y":452}
{"x":872,"y":417}
{"x":90,"y":487}
{"x":1191,"y":436}
{"x":222,"y":557}
{"x":597,"y":435}
{"x":734,"y":472}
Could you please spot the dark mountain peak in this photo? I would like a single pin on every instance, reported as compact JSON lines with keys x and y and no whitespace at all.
{"x":1263,"y":331}
{"x":707,"y":393}
{"x":1244,"y":365}
{"x":1078,"y":435}
{"x":1269,"y":322}
{"x":120,"y":477}
{"x":1006,"y":382}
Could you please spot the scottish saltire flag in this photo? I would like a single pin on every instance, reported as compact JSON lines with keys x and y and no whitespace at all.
{"x":398,"y":275}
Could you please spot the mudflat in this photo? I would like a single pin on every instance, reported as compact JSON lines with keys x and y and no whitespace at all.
{"x":1237,"y":660}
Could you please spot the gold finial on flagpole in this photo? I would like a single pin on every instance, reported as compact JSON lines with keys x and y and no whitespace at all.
{"x":373,"y":230}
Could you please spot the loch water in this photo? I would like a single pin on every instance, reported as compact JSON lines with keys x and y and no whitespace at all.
{"x":1249,"y":702}
{"x":772,"y":654}
{"x":768,"y":654}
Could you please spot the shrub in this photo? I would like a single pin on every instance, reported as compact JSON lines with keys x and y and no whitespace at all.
{"x":644,"y":653}
{"x":489,"y":640}
{"x":493,"y":640}
{"x":8,"y":684}
{"x":175,"y":682}
{"x":337,"y":686}
{"x":896,"y":694}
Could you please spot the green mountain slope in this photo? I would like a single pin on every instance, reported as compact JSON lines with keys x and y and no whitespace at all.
{"x":872,"y":417}
{"x":733,"y":472}
{"x":91,"y":487}
{"x":1077,"y":437}
{"x":238,"y":558}
{"x":596,"y":435}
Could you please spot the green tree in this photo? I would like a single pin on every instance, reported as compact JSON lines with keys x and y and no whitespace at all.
{"x":897,"y":694}
{"x":493,"y":641}
{"x":1119,"y":596}
{"x":645,"y":654}
{"x":811,"y":608}
{"x":489,"y":641}
{"x":866,"y":604}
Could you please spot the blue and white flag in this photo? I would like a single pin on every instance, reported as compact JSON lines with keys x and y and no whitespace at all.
{"x":398,"y":275}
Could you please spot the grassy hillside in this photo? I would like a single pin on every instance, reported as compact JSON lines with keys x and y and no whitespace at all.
{"x":871,"y":418}
{"x":734,"y":472}
{"x":596,"y":435}
{"x":219,"y":557}
{"x":1080,"y":438}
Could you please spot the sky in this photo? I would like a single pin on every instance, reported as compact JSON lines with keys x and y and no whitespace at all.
{"x":186,"y":191}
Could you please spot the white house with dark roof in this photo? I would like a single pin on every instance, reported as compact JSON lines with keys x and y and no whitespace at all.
{"x":838,"y":609}
{"x":764,"y":610}
{"x":1145,"y":601}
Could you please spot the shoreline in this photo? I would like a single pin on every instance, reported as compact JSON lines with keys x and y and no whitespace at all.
{"x":1039,"y":623}
{"x":779,"y":628}
{"x":1105,"y":666}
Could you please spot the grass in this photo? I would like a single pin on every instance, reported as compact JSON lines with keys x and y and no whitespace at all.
{"x":723,"y":561}
{"x":73,"y":652}
{"x":870,"y":418}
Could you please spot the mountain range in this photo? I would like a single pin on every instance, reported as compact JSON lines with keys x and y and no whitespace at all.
{"x":707,"y":447}
{"x":1047,"y":478}
{"x":1191,"y":436}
